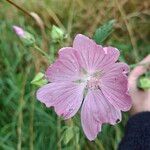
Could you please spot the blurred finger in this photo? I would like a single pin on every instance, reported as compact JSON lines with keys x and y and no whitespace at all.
{"x":137,"y":72}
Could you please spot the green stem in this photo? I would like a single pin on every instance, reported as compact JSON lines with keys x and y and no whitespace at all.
{"x":99,"y":144}
{"x":18,"y":7}
{"x":20,"y":116}
{"x":42,"y":52}
{"x":32,"y":122}
{"x":59,"y":133}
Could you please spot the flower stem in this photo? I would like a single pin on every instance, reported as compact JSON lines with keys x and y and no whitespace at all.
{"x":99,"y":144}
{"x":31,"y":142}
{"x":20,"y":116}
{"x":59,"y":133}
{"x":41,"y":51}
{"x":18,"y":7}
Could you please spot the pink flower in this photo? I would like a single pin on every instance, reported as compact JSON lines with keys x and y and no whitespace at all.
{"x":19,"y":31}
{"x":87,"y":74}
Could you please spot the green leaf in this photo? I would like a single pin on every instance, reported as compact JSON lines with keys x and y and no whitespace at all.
{"x":144,"y":83}
{"x":57,"y":34}
{"x":103,"y":32}
{"x":68,"y":135}
{"x":76,"y":131}
{"x":39,"y":80}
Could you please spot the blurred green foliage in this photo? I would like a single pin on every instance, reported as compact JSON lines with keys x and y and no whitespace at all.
{"x":26,"y":123}
{"x":103,"y":32}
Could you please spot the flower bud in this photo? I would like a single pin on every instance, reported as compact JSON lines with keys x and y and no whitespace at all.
{"x":19,"y":31}
{"x":39,"y":80}
{"x":26,"y":37}
{"x":57,"y":34}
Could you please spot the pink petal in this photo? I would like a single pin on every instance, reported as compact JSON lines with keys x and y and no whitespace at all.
{"x":65,"y":97}
{"x":92,"y":56}
{"x":112,"y":53}
{"x":95,"y":111}
{"x":110,"y":57}
{"x":87,"y":51}
{"x":115,"y":68}
{"x":115,"y":76}
{"x":116,"y":93}
{"x":66,"y":67}
{"x":114,"y":85}
{"x":118,"y":100}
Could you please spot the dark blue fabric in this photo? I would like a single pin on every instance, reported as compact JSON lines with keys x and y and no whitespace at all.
{"x":137,"y":133}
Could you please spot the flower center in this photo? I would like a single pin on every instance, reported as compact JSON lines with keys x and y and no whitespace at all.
{"x":92,"y":83}
{"x":91,"y":80}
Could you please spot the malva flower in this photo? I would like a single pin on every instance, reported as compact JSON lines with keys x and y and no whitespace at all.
{"x":87,"y":76}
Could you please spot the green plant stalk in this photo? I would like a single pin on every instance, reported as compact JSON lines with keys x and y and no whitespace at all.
{"x":59,"y":132}
{"x":18,"y":7}
{"x":19,"y":128}
{"x":20,"y":116}
{"x":32,"y":122}
{"x":99,"y":144}
{"x":42,"y":52}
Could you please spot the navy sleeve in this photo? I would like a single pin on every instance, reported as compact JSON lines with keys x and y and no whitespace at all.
{"x":137,"y":133}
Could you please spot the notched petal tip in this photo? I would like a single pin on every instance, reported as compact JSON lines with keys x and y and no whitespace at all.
{"x":80,"y":36}
{"x":129,"y":104}
{"x":39,"y":94}
{"x":93,"y":136}
{"x":65,"y":50}
{"x":112,"y":51}
{"x":43,"y":95}
{"x":125,"y":66}
{"x":82,"y":39}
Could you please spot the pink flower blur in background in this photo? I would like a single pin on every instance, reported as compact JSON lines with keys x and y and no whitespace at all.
{"x":19,"y":31}
{"x":87,"y":74}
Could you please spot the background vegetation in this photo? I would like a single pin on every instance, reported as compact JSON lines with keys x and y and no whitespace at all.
{"x":25,"y":123}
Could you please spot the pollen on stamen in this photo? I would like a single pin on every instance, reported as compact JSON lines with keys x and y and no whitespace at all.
{"x":93,"y":83}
